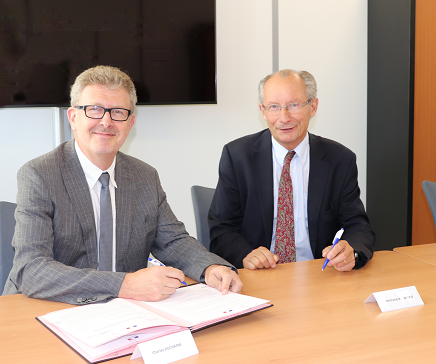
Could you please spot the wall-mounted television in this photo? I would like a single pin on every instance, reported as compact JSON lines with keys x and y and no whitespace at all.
{"x":166,"y":46}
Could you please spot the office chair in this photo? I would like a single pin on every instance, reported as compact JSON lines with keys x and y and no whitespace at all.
{"x":202,"y":199}
{"x":430,"y":193}
{"x":7,"y":227}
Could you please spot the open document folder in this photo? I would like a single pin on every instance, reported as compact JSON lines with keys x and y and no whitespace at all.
{"x":104,"y":331}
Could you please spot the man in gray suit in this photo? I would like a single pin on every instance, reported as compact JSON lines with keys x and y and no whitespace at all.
{"x":60,"y":230}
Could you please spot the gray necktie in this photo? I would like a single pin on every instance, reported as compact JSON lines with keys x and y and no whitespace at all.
{"x":106,"y":225}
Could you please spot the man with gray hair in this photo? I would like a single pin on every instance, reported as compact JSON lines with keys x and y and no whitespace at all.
{"x":283,"y":193}
{"x":88,"y":216}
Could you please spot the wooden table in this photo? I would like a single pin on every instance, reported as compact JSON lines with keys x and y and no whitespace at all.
{"x":424,"y":252}
{"x":318,"y":317}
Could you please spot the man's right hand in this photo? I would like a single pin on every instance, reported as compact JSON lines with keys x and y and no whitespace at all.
{"x":151,"y":284}
{"x":260,"y":258}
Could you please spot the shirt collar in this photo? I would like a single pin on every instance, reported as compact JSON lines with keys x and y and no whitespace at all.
{"x":301,"y":150}
{"x":92,"y":172}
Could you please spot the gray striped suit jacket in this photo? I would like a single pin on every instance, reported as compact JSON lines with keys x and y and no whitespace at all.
{"x":55,"y":237}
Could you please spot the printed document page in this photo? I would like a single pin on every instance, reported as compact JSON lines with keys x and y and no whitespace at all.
{"x":199,"y":303}
{"x":119,"y":347}
{"x":97,"y":324}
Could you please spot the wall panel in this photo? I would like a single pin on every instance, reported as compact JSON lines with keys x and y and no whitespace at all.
{"x":424,"y":154}
{"x":390,"y":120}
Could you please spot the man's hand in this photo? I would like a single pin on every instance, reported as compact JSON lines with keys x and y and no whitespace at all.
{"x":151,"y":284}
{"x":341,"y":256}
{"x":260,"y":258}
{"x":223,"y":279}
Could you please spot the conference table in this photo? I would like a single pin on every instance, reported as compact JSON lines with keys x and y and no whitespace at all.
{"x":424,"y":252}
{"x":318,"y":317}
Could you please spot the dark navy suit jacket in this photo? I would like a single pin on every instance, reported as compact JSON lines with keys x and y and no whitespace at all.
{"x":241,"y":215}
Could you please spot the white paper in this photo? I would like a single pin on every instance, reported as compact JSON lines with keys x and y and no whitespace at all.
{"x":116,"y":348}
{"x":199,"y":303}
{"x":167,"y":349}
{"x":98,"y":324}
{"x":396,"y":299}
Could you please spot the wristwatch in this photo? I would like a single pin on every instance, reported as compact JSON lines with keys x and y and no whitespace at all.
{"x":356,"y":256}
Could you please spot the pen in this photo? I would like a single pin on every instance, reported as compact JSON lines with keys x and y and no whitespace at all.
{"x":335,"y":241}
{"x":158,"y":263}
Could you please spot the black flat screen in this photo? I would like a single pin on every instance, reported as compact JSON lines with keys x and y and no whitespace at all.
{"x":166,"y":46}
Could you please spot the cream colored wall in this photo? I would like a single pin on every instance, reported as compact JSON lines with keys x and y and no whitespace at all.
{"x":25,"y":133}
{"x":329,"y":39}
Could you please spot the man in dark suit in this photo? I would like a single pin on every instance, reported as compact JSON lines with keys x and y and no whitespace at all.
{"x":323,"y":188}
{"x":68,"y":246}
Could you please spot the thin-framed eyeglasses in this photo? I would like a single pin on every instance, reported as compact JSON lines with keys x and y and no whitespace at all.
{"x":292,"y":107}
{"x":98,"y":112}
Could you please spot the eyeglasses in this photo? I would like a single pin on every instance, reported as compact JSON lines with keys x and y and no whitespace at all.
{"x":292,"y":107}
{"x":97,"y":112}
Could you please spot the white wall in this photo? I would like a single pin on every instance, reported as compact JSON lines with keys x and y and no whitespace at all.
{"x":184,"y":143}
{"x":25,"y":133}
{"x":329,"y":39}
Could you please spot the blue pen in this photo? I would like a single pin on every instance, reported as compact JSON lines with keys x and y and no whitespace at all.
{"x":335,"y":241}
{"x":158,"y":263}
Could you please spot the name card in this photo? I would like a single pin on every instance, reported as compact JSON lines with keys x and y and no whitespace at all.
{"x":167,"y":349}
{"x":396,"y":299}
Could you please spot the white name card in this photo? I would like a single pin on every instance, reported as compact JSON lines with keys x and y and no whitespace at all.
{"x":396,"y":299}
{"x":167,"y":349}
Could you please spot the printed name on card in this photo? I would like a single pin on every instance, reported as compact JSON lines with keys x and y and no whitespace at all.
{"x":396,"y":299}
{"x":167,"y":349}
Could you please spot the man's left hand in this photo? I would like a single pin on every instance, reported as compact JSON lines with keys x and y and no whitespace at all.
{"x":223,"y":279}
{"x":341,"y":256}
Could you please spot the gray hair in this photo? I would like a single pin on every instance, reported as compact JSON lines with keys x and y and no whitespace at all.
{"x":110,"y":77}
{"x":307,"y":78}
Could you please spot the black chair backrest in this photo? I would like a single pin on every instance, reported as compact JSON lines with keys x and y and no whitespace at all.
{"x":7,"y":227}
{"x":202,"y":199}
{"x":430,"y":193}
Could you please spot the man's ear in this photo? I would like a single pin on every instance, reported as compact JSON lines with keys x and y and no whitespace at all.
{"x":262,"y":110}
{"x":71,"y":112}
{"x":314,"y":107}
{"x":132,"y":122}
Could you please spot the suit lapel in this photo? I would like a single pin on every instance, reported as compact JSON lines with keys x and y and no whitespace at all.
{"x":263,"y":172}
{"x":78,"y":192}
{"x":124,"y":205}
{"x":318,"y":174}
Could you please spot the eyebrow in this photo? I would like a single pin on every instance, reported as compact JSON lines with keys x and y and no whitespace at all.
{"x":101,"y":105}
{"x":290,"y":102}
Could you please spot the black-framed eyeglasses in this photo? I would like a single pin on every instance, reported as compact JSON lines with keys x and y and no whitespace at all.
{"x":97,"y":112}
{"x":292,"y":107}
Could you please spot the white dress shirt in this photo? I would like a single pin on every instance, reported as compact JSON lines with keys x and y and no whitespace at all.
{"x":92,"y":174}
{"x":299,"y":170}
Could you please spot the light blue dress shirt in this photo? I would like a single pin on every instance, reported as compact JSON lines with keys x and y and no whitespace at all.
{"x":299,"y":170}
